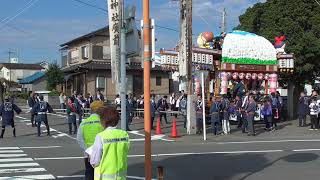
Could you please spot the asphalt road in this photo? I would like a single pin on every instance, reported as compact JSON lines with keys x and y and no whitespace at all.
{"x":288,"y":153}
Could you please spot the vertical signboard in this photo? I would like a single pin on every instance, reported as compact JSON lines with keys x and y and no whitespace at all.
{"x":114,"y":13}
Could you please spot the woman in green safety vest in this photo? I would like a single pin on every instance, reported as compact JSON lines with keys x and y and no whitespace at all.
{"x":88,"y":130}
{"x":108,"y":155}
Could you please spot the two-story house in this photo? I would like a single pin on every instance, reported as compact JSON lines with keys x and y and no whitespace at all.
{"x":16,"y":71}
{"x":87,"y":66}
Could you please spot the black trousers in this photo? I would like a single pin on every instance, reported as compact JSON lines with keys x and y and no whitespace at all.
{"x":302,"y":120}
{"x":32,"y":119}
{"x":314,"y":121}
{"x":74,"y":126}
{"x":89,"y":173}
{"x":4,"y":129}
{"x":47,"y":126}
{"x":152,"y":120}
{"x":165,"y":117}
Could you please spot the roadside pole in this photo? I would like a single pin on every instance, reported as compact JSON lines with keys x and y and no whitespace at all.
{"x":146,"y":80}
{"x":123,"y":88}
{"x":203,"y":109}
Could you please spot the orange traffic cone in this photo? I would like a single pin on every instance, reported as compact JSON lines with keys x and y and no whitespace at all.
{"x":174,"y":131}
{"x":158,"y":129}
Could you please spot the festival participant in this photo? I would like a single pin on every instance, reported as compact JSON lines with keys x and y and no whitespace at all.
{"x":72,"y":110}
{"x":153,"y":109}
{"x":199,"y":117}
{"x":31,"y":102}
{"x":238,"y":104}
{"x":314,"y":112}
{"x":250,"y":111}
{"x":109,"y":153}
{"x":225,"y":103}
{"x":163,"y":106}
{"x":40,"y":109}
{"x":7,"y":110}
{"x":88,"y":130}
{"x":303,"y":109}
{"x":215,"y":118}
{"x":183,"y":109}
{"x":266,"y":111}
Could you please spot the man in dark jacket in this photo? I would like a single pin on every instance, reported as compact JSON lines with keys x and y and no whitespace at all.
{"x":7,"y":110}
{"x":163,"y":106}
{"x":215,"y":118}
{"x":153,"y":109}
{"x":303,"y":109}
{"x":40,"y":109}
{"x":250,"y":111}
{"x":31,"y":102}
{"x":238,"y":103}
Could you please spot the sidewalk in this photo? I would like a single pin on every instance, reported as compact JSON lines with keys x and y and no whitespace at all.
{"x":286,"y":130}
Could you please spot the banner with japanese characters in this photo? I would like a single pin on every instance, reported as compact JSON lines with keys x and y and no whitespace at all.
{"x":114,"y":13}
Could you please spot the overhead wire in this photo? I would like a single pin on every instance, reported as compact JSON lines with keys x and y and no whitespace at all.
{"x":19,"y":12}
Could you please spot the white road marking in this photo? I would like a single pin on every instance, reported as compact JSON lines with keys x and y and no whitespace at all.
{"x":7,"y":148}
{"x":59,"y":132}
{"x":73,"y":176}
{"x":15,"y":160}
{"x":271,"y":141}
{"x":12,"y":155}
{"x":158,"y":137}
{"x":305,"y":150}
{"x":22,"y":170}
{"x":39,"y":147}
{"x":204,"y":153}
{"x":57,"y":158}
{"x":47,"y":176}
{"x":21,"y":117}
{"x":11,"y":151}
{"x":172,"y":154}
{"x":18,"y":165}
{"x":136,"y":177}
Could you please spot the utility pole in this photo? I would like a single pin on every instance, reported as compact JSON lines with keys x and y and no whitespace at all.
{"x":9,"y":61}
{"x":224,"y":21}
{"x":123,"y":79}
{"x":146,"y":79}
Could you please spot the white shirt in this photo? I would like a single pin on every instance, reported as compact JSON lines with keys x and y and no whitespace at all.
{"x":117,"y":101}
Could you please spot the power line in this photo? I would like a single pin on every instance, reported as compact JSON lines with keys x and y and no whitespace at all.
{"x":317,"y":2}
{"x":106,"y":11}
{"x":91,"y":5}
{"x":28,"y":5}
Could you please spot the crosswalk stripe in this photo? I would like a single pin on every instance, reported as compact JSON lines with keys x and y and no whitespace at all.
{"x":9,"y":148}
{"x":22,"y":170}
{"x":15,"y":160}
{"x":47,"y":176}
{"x":11,"y":151}
{"x":11,"y":155}
{"x":18,"y":165}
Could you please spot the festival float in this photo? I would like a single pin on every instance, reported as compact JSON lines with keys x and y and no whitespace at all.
{"x":248,"y":60}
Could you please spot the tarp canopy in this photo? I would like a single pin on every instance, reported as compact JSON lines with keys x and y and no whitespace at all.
{"x":34,"y":77}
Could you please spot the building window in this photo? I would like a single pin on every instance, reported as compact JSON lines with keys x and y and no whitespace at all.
{"x":158,"y":81}
{"x":85,"y":52}
{"x":100,"y":82}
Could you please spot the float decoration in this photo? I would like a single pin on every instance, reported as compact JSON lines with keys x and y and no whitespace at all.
{"x":240,"y":47}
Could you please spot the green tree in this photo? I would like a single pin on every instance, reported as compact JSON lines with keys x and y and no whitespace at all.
{"x":54,"y":76}
{"x":299,"y":20}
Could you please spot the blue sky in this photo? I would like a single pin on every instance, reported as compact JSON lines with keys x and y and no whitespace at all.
{"x":37,"y":32}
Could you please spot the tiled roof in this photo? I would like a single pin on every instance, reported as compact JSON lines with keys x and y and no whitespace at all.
{"x":21,"y":66}
{"x":32,"y":78}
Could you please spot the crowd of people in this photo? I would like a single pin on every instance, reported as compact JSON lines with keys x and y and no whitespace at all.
{"x":309,"y":106}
